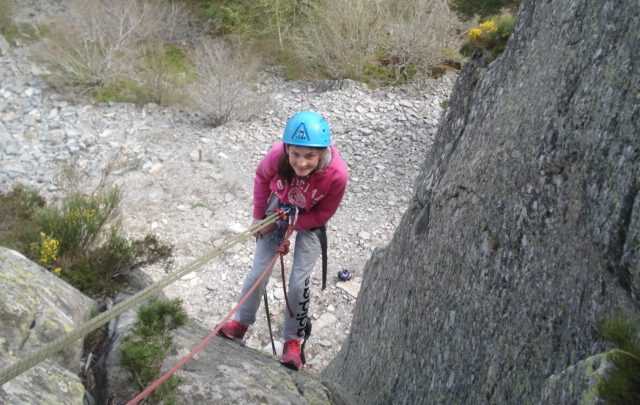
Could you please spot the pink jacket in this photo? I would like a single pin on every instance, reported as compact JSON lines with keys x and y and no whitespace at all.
{"x":318,"y":196}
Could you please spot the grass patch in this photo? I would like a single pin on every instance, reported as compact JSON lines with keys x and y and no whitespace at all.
{"x":158,"y":56}
{"x":164,"y":74}
{"x":257,"y":20}
{"x":7,"y":28}
{"x":621,"y":383}
{"x":78,"y":239}
{"x":144,"y":350}
{"x":11,"y":31}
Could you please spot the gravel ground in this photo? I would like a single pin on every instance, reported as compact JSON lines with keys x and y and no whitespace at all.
{"x":192,"y":185}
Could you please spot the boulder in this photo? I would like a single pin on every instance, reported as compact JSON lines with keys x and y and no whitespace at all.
{"x":225,"y":372}
{"x":37,"y":307}
{"x":524,"y":228}
{"x":577,"y":382}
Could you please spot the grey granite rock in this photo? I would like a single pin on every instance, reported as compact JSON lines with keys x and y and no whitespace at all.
{"x":37,"y":307}
{"x":524,"y":226}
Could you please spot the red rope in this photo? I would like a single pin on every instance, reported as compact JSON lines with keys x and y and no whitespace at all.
{"x":284,"y":287}
{"x":283,"y":249}
{"x":280,"y":251}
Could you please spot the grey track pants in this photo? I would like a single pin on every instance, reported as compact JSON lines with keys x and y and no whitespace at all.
{"x":305,"y":254}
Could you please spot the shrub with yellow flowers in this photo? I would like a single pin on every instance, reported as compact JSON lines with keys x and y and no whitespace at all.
{"x":46,"y":249}
{"x":490,"y":36}
{"x":79,"y":238}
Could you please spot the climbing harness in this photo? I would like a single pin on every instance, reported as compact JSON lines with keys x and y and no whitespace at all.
{"x":22,"y":365}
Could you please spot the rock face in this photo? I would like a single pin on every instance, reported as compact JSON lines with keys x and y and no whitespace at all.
{"x":524,"y":228}
{"x":225,"y":372}
{"x":222,"y":372}
{"x":36,"y":307}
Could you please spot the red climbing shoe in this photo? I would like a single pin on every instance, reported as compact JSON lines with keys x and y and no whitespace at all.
{"x":233,"y":330}
{"x":291,"y":355}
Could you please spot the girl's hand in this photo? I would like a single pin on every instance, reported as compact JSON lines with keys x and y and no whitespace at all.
{"x":263,"y":231}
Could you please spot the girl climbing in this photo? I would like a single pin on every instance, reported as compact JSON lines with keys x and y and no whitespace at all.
{"x":303,"y":173}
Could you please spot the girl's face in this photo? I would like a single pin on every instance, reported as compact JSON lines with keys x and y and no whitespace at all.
{"x":303,"y":160}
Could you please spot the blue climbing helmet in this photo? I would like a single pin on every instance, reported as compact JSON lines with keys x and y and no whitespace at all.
{"x":307,"y":128}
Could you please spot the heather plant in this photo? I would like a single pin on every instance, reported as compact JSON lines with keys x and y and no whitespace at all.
{"x":144,"y":350}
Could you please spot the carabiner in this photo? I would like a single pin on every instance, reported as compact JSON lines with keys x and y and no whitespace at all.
{"x":283,"y":214}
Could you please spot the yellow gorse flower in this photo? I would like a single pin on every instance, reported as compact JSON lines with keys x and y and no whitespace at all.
{"x":57,"y":271}
{"x":489,"y":26}
{"x":47,"y":249}
{"x":474,"y":33}
{"x":79,"y":215}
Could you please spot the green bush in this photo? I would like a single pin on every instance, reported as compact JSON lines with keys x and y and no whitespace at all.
{"x":164,"y":71}
{"x":621,"y":383}
{"x":223,"y":88}
{"x":467,"y":9}
{"x":144,"y":350}
{"x":134,"y":63}
{"x":17,"y":224}
{"x":255,"y":19}
{"x":380,"y":43}
{"x":78,"y":239}
{"x":77,"y":222}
